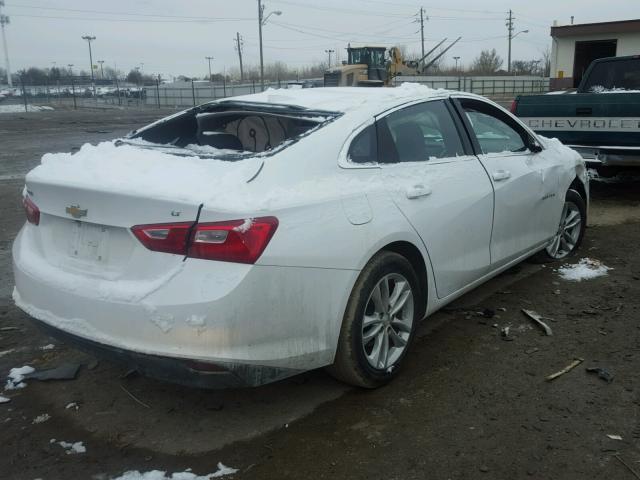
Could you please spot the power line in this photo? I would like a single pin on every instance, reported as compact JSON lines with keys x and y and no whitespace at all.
{"x":431,"y":7}
{"x":102,"y":12}
{"x":129,"y":20}
{"x":372,"y":13}
{"x":349,"y":35}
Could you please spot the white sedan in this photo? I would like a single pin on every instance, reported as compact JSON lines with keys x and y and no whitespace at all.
{"x":249,"y":239}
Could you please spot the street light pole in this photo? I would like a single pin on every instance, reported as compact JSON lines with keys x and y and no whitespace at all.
{"x":101,"y":69}
{"x":330,"y":51}
{"x":456,"y":59}
{"x":89,"y":39}
{"x":511,"y":37}
{"x":209,"y":59}
{"x":262,"y":20}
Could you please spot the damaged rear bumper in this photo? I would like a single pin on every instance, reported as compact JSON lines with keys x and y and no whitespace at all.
{"x":185,"y":372}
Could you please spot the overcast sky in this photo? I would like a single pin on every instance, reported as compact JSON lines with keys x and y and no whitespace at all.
{"x":173,"y":37}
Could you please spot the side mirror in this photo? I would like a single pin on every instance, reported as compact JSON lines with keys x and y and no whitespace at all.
{"x":534,"y":146}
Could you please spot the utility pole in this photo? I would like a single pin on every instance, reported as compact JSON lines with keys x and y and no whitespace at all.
{"x":509,"y":24}
{"x":456,"y":59}
{"x":330,"y":51}
{"x":422,"y":29}
{"x":4,"y":20}
{"x":89,"y":39}
{"x":260,"y":13}
{"x":101,"y":69}
{"x":239,"y":44}
{"x":209,"y":59}
{"x":261,"y":22}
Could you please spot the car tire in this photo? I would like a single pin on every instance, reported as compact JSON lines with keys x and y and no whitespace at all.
{"x":570,"y":234}
{"x":370,"y":322}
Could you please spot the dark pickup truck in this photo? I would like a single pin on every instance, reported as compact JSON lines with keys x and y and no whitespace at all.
{"x":601,"y":119}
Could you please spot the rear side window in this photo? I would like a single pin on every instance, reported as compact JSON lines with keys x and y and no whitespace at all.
{"x":614,"y":75}
{"x":418,"y":133}
{"x":363,"y":148}
{"x":231,"y":130}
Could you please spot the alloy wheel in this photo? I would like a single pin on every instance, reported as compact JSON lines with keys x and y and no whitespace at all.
{"x":568,"y":232}
{"x":388,"y":321}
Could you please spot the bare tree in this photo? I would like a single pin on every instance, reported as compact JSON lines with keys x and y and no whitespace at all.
{"x":546,"y":62}
{"x":525,"y":67}
{"x":487,"y":62}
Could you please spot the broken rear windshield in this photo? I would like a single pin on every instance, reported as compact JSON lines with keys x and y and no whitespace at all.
{"x":231,"y":130}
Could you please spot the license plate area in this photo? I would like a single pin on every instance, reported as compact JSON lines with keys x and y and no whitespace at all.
{"x":89,"y":242}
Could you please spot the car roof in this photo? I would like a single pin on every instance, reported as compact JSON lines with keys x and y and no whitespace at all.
{"x":368,"y":101}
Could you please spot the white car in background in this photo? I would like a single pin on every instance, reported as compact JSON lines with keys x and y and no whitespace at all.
{"x":249,"y":239}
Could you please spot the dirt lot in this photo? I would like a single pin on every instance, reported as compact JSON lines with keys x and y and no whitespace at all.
{"x":468,"y":404}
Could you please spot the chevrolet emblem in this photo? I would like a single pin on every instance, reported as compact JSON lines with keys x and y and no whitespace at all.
{"x":75,"y":211}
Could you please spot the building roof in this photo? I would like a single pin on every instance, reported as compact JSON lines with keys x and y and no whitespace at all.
{"x":620,"y":26}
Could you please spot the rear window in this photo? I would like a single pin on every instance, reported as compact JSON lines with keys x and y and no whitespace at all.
{"x":613,"y":75}
{"x":231,"y":130}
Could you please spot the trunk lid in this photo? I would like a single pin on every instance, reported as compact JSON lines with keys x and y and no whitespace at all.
{"x":89,"y":201}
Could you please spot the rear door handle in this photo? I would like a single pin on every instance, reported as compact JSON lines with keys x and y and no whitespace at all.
{"x":500,"y":175}
{"x":417,"y":191}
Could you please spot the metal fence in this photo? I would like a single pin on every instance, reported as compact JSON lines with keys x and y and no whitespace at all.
{"x":71,"y":92}
{"x":494,"y":86}
{"x":78,"y":92}
{"x":188,"y":94}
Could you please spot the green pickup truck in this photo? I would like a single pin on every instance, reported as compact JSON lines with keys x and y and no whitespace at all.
{"x":601,"y":119}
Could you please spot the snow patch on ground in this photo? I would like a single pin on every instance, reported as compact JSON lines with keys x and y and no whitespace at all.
{"x":585,"y":269}
{"x":70,"y":448}
{"x":20,"y":108}
{"x":41,"y":418}
{"x":4,"y":399}
{"x":73,"y":405}
{"x":7,"y":352}
{"x":16,"y":377}
{"x":50,"y":346}
{"x":186,"y":475}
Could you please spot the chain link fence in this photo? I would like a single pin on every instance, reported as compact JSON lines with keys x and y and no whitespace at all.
{"x":71,"y":92}
{"x":79,"y":92}
{"x":496,"y":87}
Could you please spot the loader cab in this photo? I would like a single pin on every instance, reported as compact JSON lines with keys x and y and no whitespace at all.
{"x":365,"y":67}
{"x":374,"y":59}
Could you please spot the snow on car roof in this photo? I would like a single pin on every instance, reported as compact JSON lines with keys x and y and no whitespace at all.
{"x":344,"y":99}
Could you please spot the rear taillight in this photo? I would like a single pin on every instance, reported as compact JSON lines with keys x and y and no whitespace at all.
{"x":241,"y":241}
{"x":514,"y":106}
{"x":168,"y":238}
{"x":31,"y":210}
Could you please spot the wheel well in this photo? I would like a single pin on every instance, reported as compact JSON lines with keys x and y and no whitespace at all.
{"x":411,"y":253}
{"x":578,"y":187}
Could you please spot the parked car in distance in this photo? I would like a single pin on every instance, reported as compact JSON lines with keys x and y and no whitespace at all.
{"x":601,"y":120}
{"x":253,"y":238}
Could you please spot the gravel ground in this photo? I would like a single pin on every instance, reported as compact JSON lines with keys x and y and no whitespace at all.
{"x":469,"y":404}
